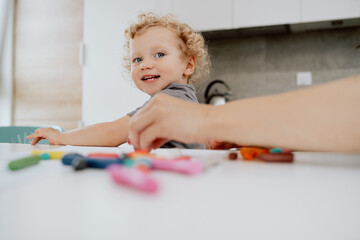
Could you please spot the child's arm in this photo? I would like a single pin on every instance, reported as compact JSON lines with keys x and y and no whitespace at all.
{"x":109,"y":134}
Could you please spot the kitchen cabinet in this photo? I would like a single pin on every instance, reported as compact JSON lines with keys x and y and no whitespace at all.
{"x":229,"y":14}
{"x":204,"y":15}
{"x":324,"y":10}
{"x":254,"y":13}
{"x":232,"y":14}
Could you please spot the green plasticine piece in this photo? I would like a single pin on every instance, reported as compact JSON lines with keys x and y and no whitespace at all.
{"x":24,"y":162}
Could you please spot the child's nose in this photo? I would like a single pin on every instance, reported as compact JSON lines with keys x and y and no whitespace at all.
{"x":146,"y":65}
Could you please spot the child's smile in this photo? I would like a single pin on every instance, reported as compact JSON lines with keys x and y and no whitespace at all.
{"x":150,"y":78}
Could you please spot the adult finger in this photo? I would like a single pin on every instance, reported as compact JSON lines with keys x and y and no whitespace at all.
{"x":158,"y":143}
{"x":154,"y":136}
{"x":140,"y":121}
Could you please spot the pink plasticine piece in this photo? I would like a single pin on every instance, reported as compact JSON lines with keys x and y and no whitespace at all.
{"x":132,"y":177}
{"x":181,"y":166}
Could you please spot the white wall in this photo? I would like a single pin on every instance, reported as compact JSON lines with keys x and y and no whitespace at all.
{"x":107,"y":95}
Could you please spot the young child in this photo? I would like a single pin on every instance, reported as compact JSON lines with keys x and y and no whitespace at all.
{"x":162,"y":55}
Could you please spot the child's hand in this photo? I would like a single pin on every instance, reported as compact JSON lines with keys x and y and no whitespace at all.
{"x":52,"y":135}
{"x":218,"y":144}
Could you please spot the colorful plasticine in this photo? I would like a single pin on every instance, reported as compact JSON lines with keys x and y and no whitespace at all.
{"x":277,"y":157}
{"x":48,"y":154}
{"x":24,"y":162}
{"x":132,"y":177}
{"x":180,"y":166}
{"x":249,"y":153}
{"x":276,"y":150}
{"x":140,"y":163}
{"x":131,"y":169}
{"x":80,"y":162}
{"x":102,"y":155}
{"x":267,"y":155}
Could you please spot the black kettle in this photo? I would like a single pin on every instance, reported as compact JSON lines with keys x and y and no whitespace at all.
{"x":217,"y":93}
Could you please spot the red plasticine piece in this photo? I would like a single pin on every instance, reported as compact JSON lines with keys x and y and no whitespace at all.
{"x":184,"y":158}
{"x":143,"y":168}
{"x":232,"y":156}
{"x":277,"y":157}
{"x":103,"y":155}
{"x":285,"y":150}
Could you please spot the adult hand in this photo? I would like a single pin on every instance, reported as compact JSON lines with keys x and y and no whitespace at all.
{"x":218,"y":145}
{"x":52,"y":135}
{"x":167,"y":118}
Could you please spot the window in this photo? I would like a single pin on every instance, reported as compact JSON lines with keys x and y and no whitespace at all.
{"x":6,"y":85}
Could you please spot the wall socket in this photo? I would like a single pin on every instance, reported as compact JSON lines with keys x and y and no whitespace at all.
{"x":303,"y":78}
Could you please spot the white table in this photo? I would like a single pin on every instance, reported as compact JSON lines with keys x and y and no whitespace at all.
{"x":316,"y":197}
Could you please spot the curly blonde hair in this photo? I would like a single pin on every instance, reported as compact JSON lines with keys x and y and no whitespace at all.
{"x":194,"y":44}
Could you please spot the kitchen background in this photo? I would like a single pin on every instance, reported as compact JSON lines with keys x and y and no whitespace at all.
{"x":267,"y":64}
{"x":61,"y":63}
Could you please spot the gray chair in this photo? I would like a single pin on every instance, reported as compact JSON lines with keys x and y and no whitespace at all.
{"x":18,"y":134}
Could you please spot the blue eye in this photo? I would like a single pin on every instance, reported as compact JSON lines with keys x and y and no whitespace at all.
{"x":159,"y":55}
{"x":137,"y":60}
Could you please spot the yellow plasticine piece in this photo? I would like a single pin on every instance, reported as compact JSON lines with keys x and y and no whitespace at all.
{"x":53,"y":154}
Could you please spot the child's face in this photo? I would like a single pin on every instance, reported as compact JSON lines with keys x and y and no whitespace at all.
{"x":157,"y":60}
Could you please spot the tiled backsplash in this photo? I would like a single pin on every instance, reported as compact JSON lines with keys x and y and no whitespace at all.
{"x":262,"y":65}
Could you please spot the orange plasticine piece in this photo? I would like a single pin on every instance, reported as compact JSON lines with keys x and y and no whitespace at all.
{"x":249,"y":153}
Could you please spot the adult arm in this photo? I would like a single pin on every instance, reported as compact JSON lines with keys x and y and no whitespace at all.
{"x":319,"y":118}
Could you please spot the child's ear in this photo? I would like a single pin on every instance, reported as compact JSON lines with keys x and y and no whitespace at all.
{"x":190,"y":67}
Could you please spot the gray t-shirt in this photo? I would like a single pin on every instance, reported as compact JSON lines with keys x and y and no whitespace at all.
{"x":182,"y":91}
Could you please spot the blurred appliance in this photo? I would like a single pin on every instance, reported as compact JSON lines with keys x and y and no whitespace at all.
{"x":217,"y":92}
